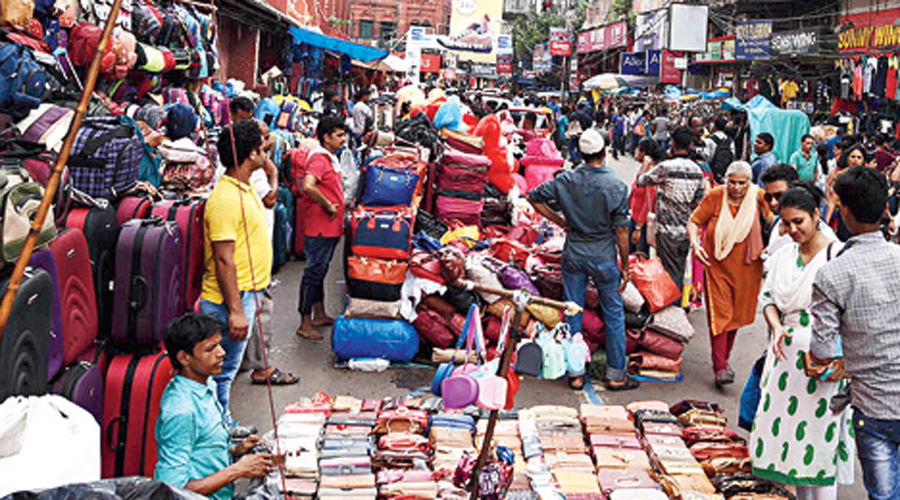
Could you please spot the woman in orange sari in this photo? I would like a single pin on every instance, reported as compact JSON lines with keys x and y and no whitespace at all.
{"x":730,"y":253}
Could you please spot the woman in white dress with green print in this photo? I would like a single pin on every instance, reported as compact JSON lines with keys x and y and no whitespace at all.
{"x":796,"y":439}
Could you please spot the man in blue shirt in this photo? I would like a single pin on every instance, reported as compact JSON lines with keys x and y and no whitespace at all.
{"x":191,"y":437}
{"x":765,"y":159}
{"x":595,"y":216}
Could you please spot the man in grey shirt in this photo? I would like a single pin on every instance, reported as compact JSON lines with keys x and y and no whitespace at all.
{"x":594,"y":205}
{"x":856,"y":314}
{"x":660,"y":128}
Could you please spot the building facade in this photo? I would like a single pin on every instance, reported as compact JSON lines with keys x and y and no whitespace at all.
{"x":383,"y":21}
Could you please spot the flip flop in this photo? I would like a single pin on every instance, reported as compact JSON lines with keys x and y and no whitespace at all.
{"x":314,"y":335}
{"x":277,"y":377}
{"x":628,"y":385}
{"x":577,"y":383}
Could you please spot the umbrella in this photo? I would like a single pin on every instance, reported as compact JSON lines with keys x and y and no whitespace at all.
{"x":605,"y":81}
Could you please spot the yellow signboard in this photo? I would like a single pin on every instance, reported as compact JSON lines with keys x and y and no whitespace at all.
{"x":474,"y":26}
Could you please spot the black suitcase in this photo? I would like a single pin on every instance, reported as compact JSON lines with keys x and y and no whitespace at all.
{"x":101,"y":230}
{"x":24,"y":348}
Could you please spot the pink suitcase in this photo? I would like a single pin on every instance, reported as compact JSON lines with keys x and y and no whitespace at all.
{"x":133,"y":206}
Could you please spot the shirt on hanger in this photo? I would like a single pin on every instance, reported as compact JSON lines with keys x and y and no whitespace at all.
{"x":789,"y":90}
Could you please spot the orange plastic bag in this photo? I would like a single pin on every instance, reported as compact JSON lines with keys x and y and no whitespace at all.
{"x":654,"y":283}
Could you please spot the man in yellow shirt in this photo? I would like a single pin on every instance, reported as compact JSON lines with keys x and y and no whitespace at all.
{"x":235,"y":236}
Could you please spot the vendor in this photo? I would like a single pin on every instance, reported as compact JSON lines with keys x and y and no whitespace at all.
{"x":191,"y":436}
{"x":595,"y":215}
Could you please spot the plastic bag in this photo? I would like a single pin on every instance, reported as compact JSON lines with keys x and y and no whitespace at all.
{"x":46,"y":441}
{"x":349,"y":176}
{"x":449,"y":115}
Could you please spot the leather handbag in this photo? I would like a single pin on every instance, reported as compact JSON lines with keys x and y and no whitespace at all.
{"x":702,"y":433}
{"x":616,"y":441}
{"x":426,"y":265}
{"x":672,"y":322}
{"x":380,"y":233}
{"x":706,"y":450}
{"x":654,"y":283}
{"x":632,"y":298}
{"x":474,"y":161}
{"x":514,"y":278}
{"x":655,"y":405}
{"x":611,"y":480}
{"x":658,"y":344}
{"x":686,"y":405}
{"x":453,"y":263}
{"x":397,"y":441}
{"x":726,"y":465}
{"x":375,"y":279}
{"x":402,"y":419}
{"x":675,"y":484}
{"x":548,"y":280}
{"x":364,"y":308}
{"x":510,"y":251}
{"x":703,"y":417}
{"x":649,"y":361}
{"x":611,"y":458}
{"x":386,"y":186}
{"x":433,"y":327}
{"x":661,"y":428}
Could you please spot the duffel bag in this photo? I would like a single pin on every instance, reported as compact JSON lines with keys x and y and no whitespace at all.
{"x":463,"y":142}
{"x":461,"y":178}
{"x":375,"y":279}
{"x":473,"y":161}
{"x":467,"y":212}
{"x":433,"y":328}
{"x":386,"y":186}
{"x":382,"y":233}
{"x":391,"y":339}
{"x":660,"y":344}
{"x":106,"y":157}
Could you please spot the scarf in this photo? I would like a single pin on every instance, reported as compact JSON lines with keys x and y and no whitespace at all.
{"x":731,"y":230}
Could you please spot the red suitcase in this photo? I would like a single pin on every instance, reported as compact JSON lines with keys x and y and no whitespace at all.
{"x":132,"y":393}
{"x":133,"y":206}
{"x":76,"y":293}
{"x":189,"y":216}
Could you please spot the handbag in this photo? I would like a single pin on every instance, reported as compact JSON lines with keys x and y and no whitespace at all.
{"x":389,"y":186}
{"x":651,"y":279}
{"x":380,"y":233}
{"x":453,"y":263}
{"x":529,"y":359}
{"x":672,"y":322}
{"x":632,"y":298}
{"x":649,"y":361}
{"x":365,"y":308}
{"x":426,"y":265}
{"x":508,"y":250}
{"x":460,"y":390}
{"x":554,"y":365}
{"x":433,"y":328}
{"x":401,"y":420}
{"x":514,"y":278}
{"x":659,"y":344}
{"x":375,"y":279}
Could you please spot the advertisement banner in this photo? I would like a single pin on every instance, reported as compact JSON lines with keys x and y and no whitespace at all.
{"x":633,"y":63}
{"x":668,"y":73}
{"x":474,"y":26}
{"x":504,"y":64}
{"x":872,"y":30}
{"x":752,"y":39}
{"x":431,"y":63}
{"x":602,"y":38}
{"x":717,"y":50}
{"x":543,"y":61}
{"x":653,"y":60}
{"x":792,"y":43}
{"x":560,"y":42}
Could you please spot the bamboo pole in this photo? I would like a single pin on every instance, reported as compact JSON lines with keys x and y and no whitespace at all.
{"x":15,"y":280}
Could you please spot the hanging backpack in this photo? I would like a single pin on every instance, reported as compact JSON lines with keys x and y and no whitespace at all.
{"x":22,"y":80}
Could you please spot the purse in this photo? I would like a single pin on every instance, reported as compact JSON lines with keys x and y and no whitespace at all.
{"x":659,"y":344}
{"x":386,"y":186}
{"x":611,"y":480}
{"x":459,"y":389}
{"x":433,"y":327}
{"x":453,"y":263}
{"x":702,"y":417}
{"x":514,"y":278}
{"x":529,"y":359}
{"x":611,"y":458}
{"x":375,"y":279}
{"x":364,"y":308}
{"x":632,"y":298}
{"x":510,"y":251}
{"x":653,"y":282}
{"x":672,"y":322}
{"x":401,"y":420}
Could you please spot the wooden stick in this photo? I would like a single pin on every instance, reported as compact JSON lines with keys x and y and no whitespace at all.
{"x":53,"y":182}
{"x":198,"y":4}
{"x":570,"y":308}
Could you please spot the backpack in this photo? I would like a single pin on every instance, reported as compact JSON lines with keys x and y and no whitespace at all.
{"x":22,"y":80}
{"x":721,"y":157}
{"x":20,"y":197}
{"x":293,"y":168}
{"x":268,"y":111}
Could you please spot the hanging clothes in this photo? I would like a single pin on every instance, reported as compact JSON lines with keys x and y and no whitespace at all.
{"x":890,"y":85}
{"x":871,"y":65}
{"x":879,"y":80}
{"x":858,"y":81}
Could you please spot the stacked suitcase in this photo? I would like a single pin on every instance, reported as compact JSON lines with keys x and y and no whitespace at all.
{"x":461,"y":180}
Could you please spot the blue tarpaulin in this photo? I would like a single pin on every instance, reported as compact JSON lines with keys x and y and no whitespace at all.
{"x":787,"y":126}
{"x":356,"y":51}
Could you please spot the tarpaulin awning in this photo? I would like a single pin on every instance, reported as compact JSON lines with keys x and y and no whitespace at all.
{"x":786,"y":125}
{"x":356,"y":51}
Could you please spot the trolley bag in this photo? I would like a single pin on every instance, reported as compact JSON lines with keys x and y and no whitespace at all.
{"x":132,"y":393}
{"x":82,"y":384}
{"x":148,"y":279}
{"x":189,"y":216}
{"x":101,"y":230}
{"x":44,"y":259}
{"x":133,"y":206}
{"x":281,"y":236}
{"x":76,"y":293}
{"x":375,"y":279}
{"x":25,"y":341}
{"x":106,"y":157}
{"x":382,"y":233}
{"x":286,"y":198}
{"x":391,"y":339}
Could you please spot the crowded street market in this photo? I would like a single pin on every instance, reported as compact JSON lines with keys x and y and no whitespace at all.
{"x":602,"y":249}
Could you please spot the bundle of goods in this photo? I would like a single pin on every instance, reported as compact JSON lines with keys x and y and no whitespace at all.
{"x":403,"y":454}
{"x":541,"y":162}
{"x":461,"y":180}
{"x":345,"y":462}
{"x":557,"y":432}
{"x":299,"y":431}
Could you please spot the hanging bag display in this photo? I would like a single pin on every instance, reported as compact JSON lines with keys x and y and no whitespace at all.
{"x":460,"y":390}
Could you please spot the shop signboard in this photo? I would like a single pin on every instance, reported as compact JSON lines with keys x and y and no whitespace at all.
{"x":431,"y":63}
{"x":792,"y":43}
{"x":752,"y":39}
{"x":484,"y":70}
{"x":651,"y":30}
{"x":560,"y":42}
{"x":653,"y":60}
{"x":873,"y":30}
{"x":504,"y":64}
{"x":477,"y":45}
{"x":717,"y":50}
{"x":668,"y":71}
{"x":543,"y":62}
{"x":605,"y":37}
{"x":633,"y":63}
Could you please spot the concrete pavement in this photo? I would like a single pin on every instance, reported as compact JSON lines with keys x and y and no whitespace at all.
{"x":313,"y":362}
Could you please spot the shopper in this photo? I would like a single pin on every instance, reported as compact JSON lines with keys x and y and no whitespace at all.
{"x":806,"y":160}
{"x":854,"y":315}
{"x":241,"y":109}
{"x":680,"y":182}
{"x":853,"y":156}
{"x":719,"y":149}
{"x":796,"y":439}
{"x":660,"y":129}
{"x":883,"y":156}
{"x":323,"y":185}
{"x":765,"y":158}
{"x":617,"y":123}
{"x":193,"y":444}
{"x":594,"y":207}
{"x":363,"y":118}
{"x":642,"y":200}
{"x":730,"y":252}
{"x":235,"y":237}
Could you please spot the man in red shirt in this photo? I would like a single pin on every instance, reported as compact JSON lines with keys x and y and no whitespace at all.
{"x":323,"y":187}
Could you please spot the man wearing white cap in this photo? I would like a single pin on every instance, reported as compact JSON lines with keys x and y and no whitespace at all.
{"x":594,"y":206}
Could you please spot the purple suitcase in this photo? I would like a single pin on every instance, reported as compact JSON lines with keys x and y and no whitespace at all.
{"x":43,"y":259}
{"x":83,"y":385}
{"x":148,"y":282}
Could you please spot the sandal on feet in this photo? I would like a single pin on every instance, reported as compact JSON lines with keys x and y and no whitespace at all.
{"x":576,"y":383}
{"x":326,"y":321}
{"x":627,"y":385}
{"x":309,"y":334}
{"x":276,"y":377}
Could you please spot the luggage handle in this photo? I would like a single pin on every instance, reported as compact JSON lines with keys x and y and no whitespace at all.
{"x":138,"y":295}
{"x":121,"y":420}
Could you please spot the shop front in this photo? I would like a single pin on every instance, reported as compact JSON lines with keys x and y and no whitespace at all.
{"x":600,"y":50}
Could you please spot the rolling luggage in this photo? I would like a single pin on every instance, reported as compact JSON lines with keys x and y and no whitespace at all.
{"x":101,"y":230}
{"x":133,"y":206}
{"x":82,"y":384}
{"x":43,"y":259}
{"x":280,"y":237}
{"x":189,"y":216}
{"x":132,"y":393}
{"x":286,"y":198}
{"x":76,"y":292}
{"x":25,"y":342}
{"x":148,"y":278}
